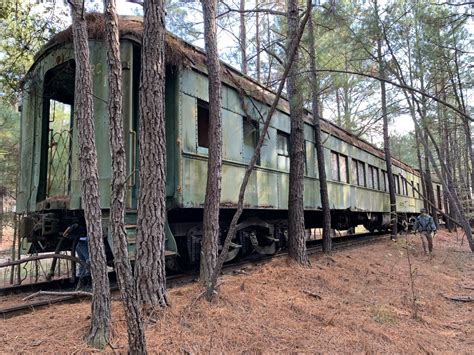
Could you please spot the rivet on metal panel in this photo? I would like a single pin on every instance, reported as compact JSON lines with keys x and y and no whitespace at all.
{"x":178,"y":141}
{"x":179,"y":189}
{"x":126,"y":65}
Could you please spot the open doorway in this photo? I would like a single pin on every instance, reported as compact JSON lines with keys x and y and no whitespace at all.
{"x":57,"y":127}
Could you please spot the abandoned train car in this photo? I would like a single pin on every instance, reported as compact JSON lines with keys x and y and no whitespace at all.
{"x":49,"y":195}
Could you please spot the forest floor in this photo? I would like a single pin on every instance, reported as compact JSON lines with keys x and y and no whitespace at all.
{"x":355,"y":300}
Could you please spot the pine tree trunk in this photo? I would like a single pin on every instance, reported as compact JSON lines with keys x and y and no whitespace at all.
{"x":128,"y":291}
{"x":257,"y":43}
{"x":2,"y":194}
{"x":85,"y":125}
{"x":323,"y":186}
{"x":243,"y":39}
{"x":296,"y":226}
{"x":214,"y":163}
{"x":420,"y":168}
{"x":386,"y":134}
{"x":1,"y":215}
{"x":150,"y":243}
{"x":429,"y":187}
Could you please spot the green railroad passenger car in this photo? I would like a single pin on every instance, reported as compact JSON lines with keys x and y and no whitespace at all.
{"x":49,"y":194}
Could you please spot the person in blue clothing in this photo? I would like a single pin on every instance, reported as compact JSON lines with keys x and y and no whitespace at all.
{"x":82,"y":251}
{"x":426,"y":226}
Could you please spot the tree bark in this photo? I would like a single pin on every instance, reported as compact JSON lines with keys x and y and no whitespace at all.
{"x":386,"y":133}
{"x":150,"y":243}
{"x":214,"y":163}
{"x":85,"y":125}
{"x":2,"y":194}
{"x":257,"y":42}
{"x":243,"y":39}
{"x":323,"y":186}
{"x":128,"y":291}
{"x":296,"y":223}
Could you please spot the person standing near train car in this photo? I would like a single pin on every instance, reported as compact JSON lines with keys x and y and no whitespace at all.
{"x":427,"y":228}
{"x":82,"y":251}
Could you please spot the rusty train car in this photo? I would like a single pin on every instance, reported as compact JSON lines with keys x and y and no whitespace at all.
{"x":49,"y":194}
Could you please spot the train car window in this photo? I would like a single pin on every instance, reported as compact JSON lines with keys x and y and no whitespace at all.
{"x":361,"y":174}
{"x":373,"y":178}
{"x":397,"y":184}
{"x":405,"y":185}
{"x":354,"y":172}
{"x":203,"y":123}
{"x":283,"y":152}
{"x":334,"y":166}
{"x":413,"y":188}
{"x":358,"y":173}
{"x":343,"y":168}
{"x":251,"y":135}
{"x":438,"y":196}
{"x":376,"y":179}
{"x":370,"y":177}
{"x":418,"y":188}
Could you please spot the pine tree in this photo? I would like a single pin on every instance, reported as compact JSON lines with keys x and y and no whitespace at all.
{"x":123,"y":268}
{"x":150,"y":253}
{"x":84,"y":117}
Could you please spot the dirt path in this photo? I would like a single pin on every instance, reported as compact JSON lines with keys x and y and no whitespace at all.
{"x":366,"y":306}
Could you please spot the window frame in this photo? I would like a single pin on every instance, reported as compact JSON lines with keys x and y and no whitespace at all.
{"x":200,"y":106}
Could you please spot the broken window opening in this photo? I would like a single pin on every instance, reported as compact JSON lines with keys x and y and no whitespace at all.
{"x":203,"y":123}
{"x":251,"y":137}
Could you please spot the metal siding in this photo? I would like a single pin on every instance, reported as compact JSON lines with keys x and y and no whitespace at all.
{"x":309,"y":194}
{"x":188,"y":116}
{"x":194,"y":181}
{"x":232,"y":135}
{"x":231,"y":101}
{"x":26,"y":153}
{"x":283,"y":182}
{"x":339,"y":195}
{"x":268,"y":156}
{"x":310,"y":159}
{"x":98,"y":60}
{"x":194,"y":84}
{"x":267,"y":188}
{"x":308,"y":133}
{"x":281,"y":122}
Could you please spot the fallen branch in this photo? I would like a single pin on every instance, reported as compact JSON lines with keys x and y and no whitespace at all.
{"x":41,"y":257}
{"x":460,"y":298}
{"x":55,"y":293}
{"x":312,"y":294}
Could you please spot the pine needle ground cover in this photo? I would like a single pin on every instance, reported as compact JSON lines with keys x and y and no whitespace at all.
{"x":355,"y":300}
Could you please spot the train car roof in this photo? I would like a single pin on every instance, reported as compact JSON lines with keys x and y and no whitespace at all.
{"x":185,"y":55}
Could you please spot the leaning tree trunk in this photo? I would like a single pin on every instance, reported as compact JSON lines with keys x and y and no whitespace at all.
{"x":150,"y":254}
{"x":123,"y":268}
{"x":214,"y":163}
{"x":83,"y":111}
{"x":323,"y":185}
{"x":296,"y":226}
